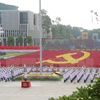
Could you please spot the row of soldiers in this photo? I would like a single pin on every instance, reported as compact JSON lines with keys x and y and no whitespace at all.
{"x":81,"y":73}
{"x":9,"y":73}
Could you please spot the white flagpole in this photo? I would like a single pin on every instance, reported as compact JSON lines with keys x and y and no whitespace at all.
{"x":40,"y":37}
{"x":92,"y":16}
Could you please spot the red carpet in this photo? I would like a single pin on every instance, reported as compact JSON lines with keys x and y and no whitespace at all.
{"x":58,"y":58}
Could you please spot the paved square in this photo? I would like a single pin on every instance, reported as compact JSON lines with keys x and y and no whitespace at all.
{"x":38,"y":90}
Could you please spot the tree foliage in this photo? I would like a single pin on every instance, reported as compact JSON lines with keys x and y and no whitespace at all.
{"x":46,"y":21}
{"x":10,"y":41}
{"x":57,"y":20}
{"x":60,"y":30}
{"x":29,"y":40}
{"x":20,"y":40}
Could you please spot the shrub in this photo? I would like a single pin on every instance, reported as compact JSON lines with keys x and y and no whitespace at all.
{"x":90,"y":92}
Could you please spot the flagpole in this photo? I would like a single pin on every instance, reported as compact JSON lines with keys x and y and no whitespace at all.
{"x":40,"y":37}
{"x":92,"y":16}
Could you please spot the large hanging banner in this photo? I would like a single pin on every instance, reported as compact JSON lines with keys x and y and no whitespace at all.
{"x":84,"y":35}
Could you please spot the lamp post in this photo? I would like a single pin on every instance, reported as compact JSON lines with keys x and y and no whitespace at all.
{"x":40,"y":36}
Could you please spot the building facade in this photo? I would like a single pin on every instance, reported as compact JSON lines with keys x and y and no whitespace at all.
{"x":4,"y":6}
{"x":15,"y":23}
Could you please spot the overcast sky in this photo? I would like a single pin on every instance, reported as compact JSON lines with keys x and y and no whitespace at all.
{"x":73,"y":12}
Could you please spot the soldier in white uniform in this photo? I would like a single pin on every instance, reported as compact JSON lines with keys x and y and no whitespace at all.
{"x":25,"y":72}
{"x":12,"y":75}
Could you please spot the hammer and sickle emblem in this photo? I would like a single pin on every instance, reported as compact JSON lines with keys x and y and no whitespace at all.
{"x":68,"y":58}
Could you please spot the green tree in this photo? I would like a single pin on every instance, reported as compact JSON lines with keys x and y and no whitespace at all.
{"x":54,"y":30}
{"x":44,"y":12}
{"x":29,"y":40}
{"x":46,"y":21}
{"x":60,"y":30}
{"x":20,"y":40}
{"x":10,"y":41}
{"x":57,"y":20}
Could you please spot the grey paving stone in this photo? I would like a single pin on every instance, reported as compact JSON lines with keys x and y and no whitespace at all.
{"x":38,"y":90}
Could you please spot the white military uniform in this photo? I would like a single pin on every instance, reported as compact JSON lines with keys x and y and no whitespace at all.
{"x":25,"y":72}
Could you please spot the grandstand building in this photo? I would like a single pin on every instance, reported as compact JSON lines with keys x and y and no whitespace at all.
{"x":15,"y":22}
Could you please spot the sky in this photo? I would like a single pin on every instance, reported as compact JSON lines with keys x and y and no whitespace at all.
{"x":72,"y":12}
